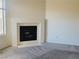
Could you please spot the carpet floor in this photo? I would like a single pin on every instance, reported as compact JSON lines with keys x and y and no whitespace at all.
{"x":45,"y":51}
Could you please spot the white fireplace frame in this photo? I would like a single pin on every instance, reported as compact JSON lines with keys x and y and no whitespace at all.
{"x":15,"y":32}
{"x":29,"y":42}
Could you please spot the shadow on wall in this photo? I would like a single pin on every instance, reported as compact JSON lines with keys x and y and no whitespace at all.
{"x":46,"y":32}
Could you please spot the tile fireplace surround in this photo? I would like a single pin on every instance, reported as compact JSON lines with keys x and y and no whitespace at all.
{"x":16,"y":32}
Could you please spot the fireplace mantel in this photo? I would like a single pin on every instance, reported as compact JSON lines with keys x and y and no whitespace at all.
{"x":16,"y":32}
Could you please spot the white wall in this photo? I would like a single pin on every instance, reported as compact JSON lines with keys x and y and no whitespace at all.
{"x":3,"y":41}
{"x":23,"y":10}
{"x":62,"y":17}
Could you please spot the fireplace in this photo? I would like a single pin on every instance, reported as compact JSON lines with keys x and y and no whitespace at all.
{"x":28,"y":33}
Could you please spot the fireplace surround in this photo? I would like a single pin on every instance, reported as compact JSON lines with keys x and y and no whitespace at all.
{"x":27,"y":32}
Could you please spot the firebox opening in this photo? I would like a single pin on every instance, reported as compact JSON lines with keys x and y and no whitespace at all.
{"x":28,"y":33}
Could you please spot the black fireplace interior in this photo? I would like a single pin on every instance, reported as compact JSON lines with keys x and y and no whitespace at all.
{"x":28,"y":33}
